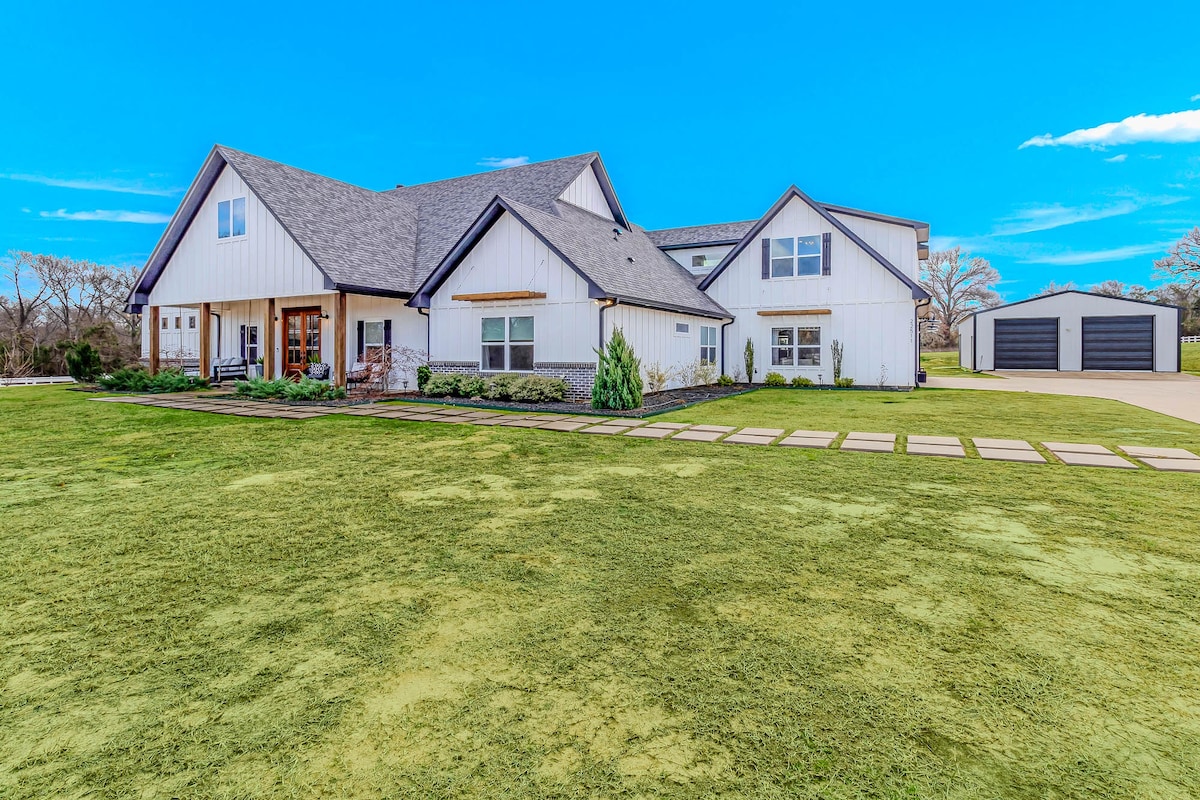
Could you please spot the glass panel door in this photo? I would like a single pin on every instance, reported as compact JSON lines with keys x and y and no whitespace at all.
{"x":301,"y":339}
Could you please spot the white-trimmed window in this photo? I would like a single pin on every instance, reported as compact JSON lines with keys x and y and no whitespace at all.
{"x":796,"y":347}
{"x":796,"y":258}
{"x":231,"y":218}
{"x":251,"y":354}
{"x":372,"y":338}
{"x":178,"y":322}
{"x":708,"y":344}
{"x":507,"y":344}
{"x":705,"y":261}
{"x":192,"y":322}
{"x":682,"y":329}
{"x":166,"y":323}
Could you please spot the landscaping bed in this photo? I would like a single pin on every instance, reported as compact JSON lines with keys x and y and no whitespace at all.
{"x":656,"y":403}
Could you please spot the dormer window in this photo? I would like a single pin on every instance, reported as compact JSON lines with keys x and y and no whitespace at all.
{"x":231,"y":218}
{"x":799,"y":257}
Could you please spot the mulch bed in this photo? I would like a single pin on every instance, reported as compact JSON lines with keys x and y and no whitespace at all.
{"x":656,"y":403}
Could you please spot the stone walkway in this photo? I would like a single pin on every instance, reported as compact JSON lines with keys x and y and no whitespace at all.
{"x":1169,"y":459}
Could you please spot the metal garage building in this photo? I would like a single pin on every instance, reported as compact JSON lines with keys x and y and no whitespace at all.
{"x":1072,"y":331}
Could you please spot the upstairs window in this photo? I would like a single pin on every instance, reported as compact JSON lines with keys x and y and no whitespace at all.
{"x":683,"y":328}
{"x":231,"y":218}
{"x":708,"y":344}
{"x":796,"y":258}
{"x":507,"y":344}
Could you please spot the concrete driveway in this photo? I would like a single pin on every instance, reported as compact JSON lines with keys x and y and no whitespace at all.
{"x":1172,"y":393}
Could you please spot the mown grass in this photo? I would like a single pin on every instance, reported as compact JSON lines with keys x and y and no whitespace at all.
{"x":1190,"y":352}
{"x":208,"y":606}
{"x":944,"y":363}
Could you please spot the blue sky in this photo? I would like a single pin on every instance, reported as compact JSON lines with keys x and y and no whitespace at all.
{"x":703,"y":113}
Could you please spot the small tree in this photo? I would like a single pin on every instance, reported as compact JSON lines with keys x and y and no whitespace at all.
{"x":658,"y":376}
{"x":83,"y":362}
{"x":618,"y":383}
{"x":838,"y":351}
{"x":749,"y":359}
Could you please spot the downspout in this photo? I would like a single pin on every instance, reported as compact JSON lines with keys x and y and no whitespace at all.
{"x":608,"y":303}
{"x":424,"y":312}
{"x":724,"y":325}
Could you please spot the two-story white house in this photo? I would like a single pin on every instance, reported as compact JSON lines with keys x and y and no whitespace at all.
{"x":526,"y":269}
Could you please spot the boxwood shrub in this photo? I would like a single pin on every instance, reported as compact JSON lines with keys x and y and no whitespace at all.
{"x":502,"y":387}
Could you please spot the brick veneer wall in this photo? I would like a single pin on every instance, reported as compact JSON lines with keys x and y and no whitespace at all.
{"x":579,"y":375}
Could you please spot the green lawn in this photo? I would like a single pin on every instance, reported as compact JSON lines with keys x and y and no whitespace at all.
{"x":1191,"y":357}
{"x":944,"y":363}
{"x":210,"y":606}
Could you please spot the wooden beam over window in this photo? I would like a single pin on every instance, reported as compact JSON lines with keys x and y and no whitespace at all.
{"x":480,"y":297}
{"x":794,"y":312}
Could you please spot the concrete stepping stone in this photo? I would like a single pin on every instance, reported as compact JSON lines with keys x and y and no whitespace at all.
{"x":1137,"y":451}
{"x":697,"y":435}
{"x":813,"y":434}
{"x":741,"y":437}
{"x":868,"y":445}
{"x":714,"y":428}
{"x":672,"y":426}
{"x":1029,"y":456}
{"x":1003,"y":444}
{"x":815,"y":442}
{"x":772,"y":432}
{"x":944,"y":441}
{"x":945,"y":450}
{"x":421,"y":417}
{"x":562,"y":425}
{"x":1173,"y":464}
{"x":605,"y":430}
{"x":524,"y":422}
{"x":1075,"y":447}
{"x":650,"y":433}
{"x":872,"y":437}
{"x":1093,"y":460}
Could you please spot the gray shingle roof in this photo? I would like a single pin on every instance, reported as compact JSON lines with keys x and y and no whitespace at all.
{"x":653,"y":278}
{"x":723,"y":232}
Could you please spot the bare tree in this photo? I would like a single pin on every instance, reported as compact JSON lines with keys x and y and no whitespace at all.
{"x":1182,"y":262}
{"x":25,"y":296}
{"x":64,"y":281}
{"x":1109,"y":289}
{"x":1055,"y":288}
{"x":959,"y":283}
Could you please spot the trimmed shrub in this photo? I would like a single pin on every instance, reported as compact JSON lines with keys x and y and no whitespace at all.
{"x":304,"y":390}
{"x":424,"y":373}
{"x":442,"y":385}
{"x":800,"y":381}
{"x":83,"y":362}
{"x":537,"y":389}
{"x":472,"y":386}
{"x":775,"y":379}
{"x":618,"y":383}
{"x":844,"y":383}
{"x":500,"y":386}
{"x":724,"y":380}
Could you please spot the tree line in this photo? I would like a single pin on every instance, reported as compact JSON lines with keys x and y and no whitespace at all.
{"x":960,"y":284}
{"x":50,"y":304}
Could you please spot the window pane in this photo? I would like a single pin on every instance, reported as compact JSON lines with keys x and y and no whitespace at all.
{"x":697,"y":261}
{"x":781,"y":356}
{"x":520,"y":329}
{"x":164,"y":323}
{"x":493,"y":329}
{"x":682,"y":327}
{"x":808,"y":265}
{"x":191,"y":323}
{"x":493,"y":357}
{"x":239,"y":216}
{"x":782,"y":336}
{"x":252,"y":334}
{"x":373,"y":334}
{"x":808,"y":336}
{"x":520,"y":356}
{"x":782,"y":247}
{"x":808,"y":246}
{"x":708,"y":355}
{"x":177,"y":322}
{"x":708,"y":335}
{"x":223,"y":219}
{"x":781,"y":267}
{"x":808,"y":356}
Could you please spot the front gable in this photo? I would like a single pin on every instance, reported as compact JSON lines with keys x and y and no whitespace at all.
{"x":585,"y":192}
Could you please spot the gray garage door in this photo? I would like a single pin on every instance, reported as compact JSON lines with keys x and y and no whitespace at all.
{"x":1027,"y":343}
{"x":1115,"y":343}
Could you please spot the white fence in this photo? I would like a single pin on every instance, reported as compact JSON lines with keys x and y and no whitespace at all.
{"x":1189,"y":339}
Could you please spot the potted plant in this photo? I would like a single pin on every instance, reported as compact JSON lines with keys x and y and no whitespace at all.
{"x":317,"y":370}
{"x":256,"y":369}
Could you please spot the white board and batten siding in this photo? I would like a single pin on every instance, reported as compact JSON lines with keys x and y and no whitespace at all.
{"x":871,"y":310}
{"x":509,"y":257}
{"x":897,"y":243}
{"x":712,"y":256}
{"x":177,"y":339}
{"x":265,"y":262}
{"x":656,"y":339}
{"x":585,"y":192}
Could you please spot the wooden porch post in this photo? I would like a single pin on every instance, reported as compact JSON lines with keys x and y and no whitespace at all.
{"x":268,"y":353}
{"x":154,"y":340}
{"x":205,"y":340}
{"x":339,"y":340}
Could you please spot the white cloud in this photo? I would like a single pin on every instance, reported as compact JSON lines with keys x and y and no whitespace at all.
{"x":1117,"y":159}
{"x":1175,"y":127}
{"x":120,"y":187}
{"x":1047,"y":217}
{"x":500,"y":163}
{"x":99,"y":215}
{"x":1195,"y":97}
{"x":1076,"y":258}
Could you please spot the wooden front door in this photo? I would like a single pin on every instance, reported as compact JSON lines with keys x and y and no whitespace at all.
{"x":301,"y":339}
